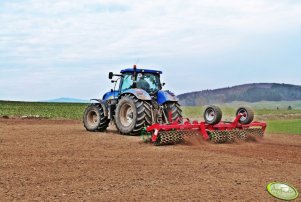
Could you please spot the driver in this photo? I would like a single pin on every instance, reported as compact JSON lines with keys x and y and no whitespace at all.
{"x":143,"y":84}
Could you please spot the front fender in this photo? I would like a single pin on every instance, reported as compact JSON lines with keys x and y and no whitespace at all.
{"x":110,"y":95}
{"x":139,"y":93}
{"x":165,"y":96}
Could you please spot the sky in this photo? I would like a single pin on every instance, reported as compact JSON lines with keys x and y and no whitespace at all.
{"x":64,"y":48}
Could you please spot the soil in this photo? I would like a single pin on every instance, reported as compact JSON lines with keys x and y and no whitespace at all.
{"x":57,"y":160}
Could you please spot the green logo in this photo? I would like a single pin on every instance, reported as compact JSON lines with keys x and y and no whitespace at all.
{"x":282,"y":191}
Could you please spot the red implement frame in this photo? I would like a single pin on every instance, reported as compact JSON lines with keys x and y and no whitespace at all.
{"x":202,"y":127}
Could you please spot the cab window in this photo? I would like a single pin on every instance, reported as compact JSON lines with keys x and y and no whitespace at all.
{"x":127,"y":82}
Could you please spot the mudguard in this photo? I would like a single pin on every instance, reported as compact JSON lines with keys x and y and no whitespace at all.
{"x":102,"y":103}
{"x":110,"y":95}
{"x":165,"y":96}
{"x":139,"y":93}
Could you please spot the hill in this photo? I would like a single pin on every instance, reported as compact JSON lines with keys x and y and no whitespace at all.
{"x":255,"y":92}
{"x":66,"y":100}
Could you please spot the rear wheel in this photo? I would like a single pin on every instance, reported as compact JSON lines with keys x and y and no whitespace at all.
{"x":212,"y":114}
{"x":175,"y":110}
{"x":132,"y":115}
{"x":94,"y":118}
{"x":247,"y":115}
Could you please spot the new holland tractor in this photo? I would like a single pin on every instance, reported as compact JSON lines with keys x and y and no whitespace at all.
{"x":140,"y":107}
{"x":139,"y":102}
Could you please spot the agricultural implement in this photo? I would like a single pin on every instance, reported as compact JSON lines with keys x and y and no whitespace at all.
{"x":242,"y":128}
{"x":141,"y":106}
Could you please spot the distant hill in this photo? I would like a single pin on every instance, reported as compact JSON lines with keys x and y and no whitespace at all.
{"x":66,"y":100}
{"x":255,"y":92}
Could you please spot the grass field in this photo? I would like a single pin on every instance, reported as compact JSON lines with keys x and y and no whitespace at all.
{"x":44,"y":110}
{"x":290,"y":126}
{"x":279,"y":121}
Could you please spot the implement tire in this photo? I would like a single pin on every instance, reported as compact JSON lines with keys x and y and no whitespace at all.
{"x":212,"y":115}
{"x":132,"y":115}
{"x":248,"y":115}
{"x":176,"y":112}
{"x":94,"y":118}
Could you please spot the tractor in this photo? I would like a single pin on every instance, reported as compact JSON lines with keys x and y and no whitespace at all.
{"x":138,"y":103}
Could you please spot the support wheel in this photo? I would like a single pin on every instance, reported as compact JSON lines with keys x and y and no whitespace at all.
{"x":248,"y":115}
{"x":212,"y":115}
{"x":132,"y":115}
{"x":94,"y":118}
{"x":176,"y":112}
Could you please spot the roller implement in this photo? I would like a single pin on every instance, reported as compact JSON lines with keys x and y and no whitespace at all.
{"x":212,"y":129}
{"x":139,"y":106}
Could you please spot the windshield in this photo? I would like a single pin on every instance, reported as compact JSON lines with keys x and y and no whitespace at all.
{"x":146,"y":81}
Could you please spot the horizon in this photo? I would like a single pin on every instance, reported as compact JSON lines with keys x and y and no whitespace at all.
{"x":79,"y":100}
{"x":66,"y":49}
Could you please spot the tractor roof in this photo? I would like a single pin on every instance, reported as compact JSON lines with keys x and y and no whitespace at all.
{"x":131,"y":70}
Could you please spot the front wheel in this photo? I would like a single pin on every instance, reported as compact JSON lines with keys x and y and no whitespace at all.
{"x":94,"y":118}
{"x":173,"y":109}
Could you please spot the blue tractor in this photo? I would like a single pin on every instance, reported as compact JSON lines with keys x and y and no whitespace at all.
{"x":139,"y":102}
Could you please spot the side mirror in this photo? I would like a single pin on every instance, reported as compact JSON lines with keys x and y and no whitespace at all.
{"x":111,"y":75}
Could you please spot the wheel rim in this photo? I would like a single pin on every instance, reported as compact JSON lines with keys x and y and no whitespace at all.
{"x":126,"y":115}
{"x":244,"y":114}
{"x":210,"y":115}
{"x":92,"y":118}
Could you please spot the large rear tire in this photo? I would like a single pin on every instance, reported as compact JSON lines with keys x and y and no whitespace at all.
{"x":248,"y":115}
{"x":212,"y":115}
{"x":94,"y":118}
{"x":176,"y":112}
{"x":132,"y":115}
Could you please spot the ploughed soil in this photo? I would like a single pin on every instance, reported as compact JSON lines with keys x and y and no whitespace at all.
{"x":51,"y":160}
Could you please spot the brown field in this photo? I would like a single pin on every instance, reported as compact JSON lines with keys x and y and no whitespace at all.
{"x":49,"y":160}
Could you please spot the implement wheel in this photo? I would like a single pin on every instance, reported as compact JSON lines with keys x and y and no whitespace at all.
{"x":248,"y":115}
{"x":212,"y":115}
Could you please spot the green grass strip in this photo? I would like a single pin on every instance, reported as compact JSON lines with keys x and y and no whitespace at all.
{"x":291,"y":126}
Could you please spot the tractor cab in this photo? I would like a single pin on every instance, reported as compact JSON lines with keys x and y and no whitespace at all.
{"x":147,"y":80}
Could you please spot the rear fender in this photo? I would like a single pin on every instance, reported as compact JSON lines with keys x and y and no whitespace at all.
{"x":138,"y":93}
{"x":166,"y":96}
{"x":102,"y":104}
